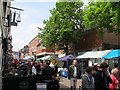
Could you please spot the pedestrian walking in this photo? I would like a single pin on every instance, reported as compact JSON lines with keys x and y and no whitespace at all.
{"x":115,"y":82}
{"x":48,"y":72}
{"x":102,"y":78}
{"x":72,"y":71}
{"x":88,"y":79}
{"x":34,"y":70}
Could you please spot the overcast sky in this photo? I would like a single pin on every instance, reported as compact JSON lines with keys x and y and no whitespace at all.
{"x":32,"y":17}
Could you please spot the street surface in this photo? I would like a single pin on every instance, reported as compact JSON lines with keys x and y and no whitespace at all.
{"x":65,"y":84}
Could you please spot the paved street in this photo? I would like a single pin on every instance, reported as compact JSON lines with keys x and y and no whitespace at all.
{"x":65,"y":84}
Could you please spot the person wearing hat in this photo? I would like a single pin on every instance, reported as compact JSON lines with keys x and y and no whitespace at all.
{"x":96,"y":66}
{"x":102,"y":78}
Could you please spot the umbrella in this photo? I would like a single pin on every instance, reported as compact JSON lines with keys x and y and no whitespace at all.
{"x":113,"y":54}
{"x":65,"y":58}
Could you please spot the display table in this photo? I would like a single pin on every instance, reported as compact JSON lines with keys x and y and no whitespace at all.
{"x":64,"y":73}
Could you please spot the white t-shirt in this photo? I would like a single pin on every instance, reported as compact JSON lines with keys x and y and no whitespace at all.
{"x":34,"y":71}
{"x":75,"y":72}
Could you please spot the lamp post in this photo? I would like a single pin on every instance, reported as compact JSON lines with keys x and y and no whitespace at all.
{"x":15,"y":19}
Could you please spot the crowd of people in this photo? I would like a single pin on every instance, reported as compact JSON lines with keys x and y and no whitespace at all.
{"x":100,"y":77}
{"x":96,"y":77}
{"x":31,"y":68}
{"x":25,"y":71}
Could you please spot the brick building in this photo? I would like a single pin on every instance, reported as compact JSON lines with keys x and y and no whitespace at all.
{"x":92,"y":40}
{"x":111,"y":41}
{"x":36,"y":48}
{"x":33,"y":46}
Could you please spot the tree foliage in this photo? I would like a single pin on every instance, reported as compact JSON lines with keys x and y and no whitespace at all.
{"x":63,"y":26}
{"x":102,"y":15}
{"x":68,"y":20}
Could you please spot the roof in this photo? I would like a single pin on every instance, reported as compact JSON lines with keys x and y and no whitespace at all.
{"x":113,"y":54}
{"x":93,"y":54}
{"x":45,"y":58}
{"x":65,"y":58}
{"x":43,"y":53}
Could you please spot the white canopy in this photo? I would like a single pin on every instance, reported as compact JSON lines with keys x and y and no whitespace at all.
{"x":48,"y":53}
{"x":46,"y":58}
{"x":94,"y":54}
{"x":27,"y":57}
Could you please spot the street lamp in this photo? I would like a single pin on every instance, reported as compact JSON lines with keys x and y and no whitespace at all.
{"x":15,"y":19}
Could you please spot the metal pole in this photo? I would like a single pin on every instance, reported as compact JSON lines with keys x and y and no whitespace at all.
{"x":15,"y":8}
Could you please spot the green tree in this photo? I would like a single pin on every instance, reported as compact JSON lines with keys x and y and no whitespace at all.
{"x":102,"y":15}
{"x":63,"y":26}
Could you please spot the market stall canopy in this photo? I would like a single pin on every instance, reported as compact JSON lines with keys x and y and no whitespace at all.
{"x":27,"y":57}
{"x":46,"y":53}
{"x":94,"y":54}
{"x":45,"y":58}
{"x":113,"y":54}
{"x":65,"y":58}
{"x":38,"y":59}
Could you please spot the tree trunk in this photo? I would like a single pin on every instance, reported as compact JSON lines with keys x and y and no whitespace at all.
{"x":66,"y":48}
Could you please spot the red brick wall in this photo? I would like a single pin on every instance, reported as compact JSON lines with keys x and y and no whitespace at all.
{"x":33,"y":45}
{"x":89,"y":41}
{"x":112,"y":40}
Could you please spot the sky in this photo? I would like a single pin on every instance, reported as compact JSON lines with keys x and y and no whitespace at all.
{"x":35,"y":11}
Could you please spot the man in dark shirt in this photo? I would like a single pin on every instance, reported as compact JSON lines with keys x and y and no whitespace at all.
{"x":48,"y":72}
{"x":102,"y":78}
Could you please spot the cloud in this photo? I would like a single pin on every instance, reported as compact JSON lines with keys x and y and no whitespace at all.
{"x":35,"y":26}
{"x":17,"y":44}
{"x":36,"y":0}
{"x":24,"y":16}
{"x":31,"y":18}
{"x":48,"y":0}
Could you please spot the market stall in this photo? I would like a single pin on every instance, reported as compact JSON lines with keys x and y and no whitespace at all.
{"x":93,"y":54}
{"x":113,"y":54}
{"x":67,"y":60}
{"x":91,"y":57}
{"x":113,"y":57}
{"x":45,"y":58}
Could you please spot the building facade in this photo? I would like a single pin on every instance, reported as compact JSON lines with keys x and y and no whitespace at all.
{"x":93,"y":41}
{"x":5,"y":27}
{"x":36,"y":47}
{"x":4,"y":32}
